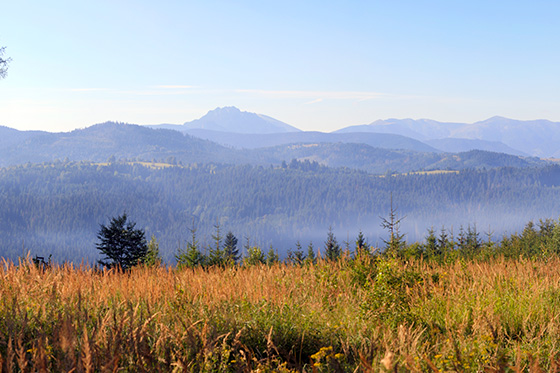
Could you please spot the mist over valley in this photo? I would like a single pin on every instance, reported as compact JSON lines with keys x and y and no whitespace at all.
{"x":271,"y":189}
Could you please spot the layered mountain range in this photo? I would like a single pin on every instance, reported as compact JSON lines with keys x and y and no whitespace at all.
{"x":230,"y":136}
{"x":232,"y":127}
{"x":265,"y":179}
{"x":535,"y":137}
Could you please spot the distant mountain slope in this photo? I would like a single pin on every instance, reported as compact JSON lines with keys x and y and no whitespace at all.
{"x":99,"y":142}
{"x":377,"y":153}
{"x":231,"y":119}
{"x":537,"y":137}
{"x":10,"y":136}
{"x":252,"y":141}
{"x":379,"y":161}
{"x":419,"y":129}
{"x":457,"y":145}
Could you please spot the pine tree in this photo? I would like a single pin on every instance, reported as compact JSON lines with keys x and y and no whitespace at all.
{"x":153,"y":257}
{"x":122,"y":244}
{"x":290,"y":258}
{"x":362,"y":247}
{"x":474,"y":243}
{"x":443,"y":240}
{"x":332,"y":249}
{"x":462,"y":239}
{"x":272,"y":257}
{"x":231,"y":253}
{"x":430,"y":247}
{"x":299,"y":256}
{"x":216,"y":255}
{"x":489,"y":241}
{"x":311,"y":258}
{"x":396,"y":240}
{"x":192,"y":257}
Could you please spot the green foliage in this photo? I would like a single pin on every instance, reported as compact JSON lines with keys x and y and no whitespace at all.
{"x":216,"y":254}
{"x":255,"y":256}
{"x":271,"y":257}
{"x":231,"y":253}
{"x":123,"y":245}
{"x":363,"y":270}
{"x":362,"y":247}
{"x":310,"y":257}
{"x":389,"y":299}
{"x":365,"y":314}
{"x":332,"y":248}
{"x":191,"y":257}
{"x":396,"y":241}
{"x":297,"y":256}
{"x":431,"y":247}
{"x":56,"y":207}
{"x":153,"y":257}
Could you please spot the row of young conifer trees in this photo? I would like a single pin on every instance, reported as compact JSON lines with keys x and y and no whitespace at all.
{"x":125,"y":246}
{"x":225,"y":251}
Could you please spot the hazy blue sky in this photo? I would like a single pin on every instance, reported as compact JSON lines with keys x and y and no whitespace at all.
{"x":317,"y":65}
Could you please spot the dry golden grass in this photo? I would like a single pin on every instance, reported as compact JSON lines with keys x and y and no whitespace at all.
{"x":370,"y":315}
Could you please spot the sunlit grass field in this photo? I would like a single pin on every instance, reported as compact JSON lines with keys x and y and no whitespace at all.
{"x":369,"y":314}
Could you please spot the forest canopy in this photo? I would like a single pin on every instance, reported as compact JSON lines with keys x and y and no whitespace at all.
{"x":56,"y":208}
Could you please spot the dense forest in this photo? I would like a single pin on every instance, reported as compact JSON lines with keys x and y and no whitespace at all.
{"x":57,"y":208}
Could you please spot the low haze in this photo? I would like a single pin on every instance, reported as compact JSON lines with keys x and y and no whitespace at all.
{"x":314,"y":65}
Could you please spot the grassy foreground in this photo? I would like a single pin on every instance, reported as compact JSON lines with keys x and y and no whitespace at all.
{"x":353,"y":315}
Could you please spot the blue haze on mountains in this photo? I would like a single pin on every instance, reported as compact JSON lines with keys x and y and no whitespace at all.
{"x":232,"y":139}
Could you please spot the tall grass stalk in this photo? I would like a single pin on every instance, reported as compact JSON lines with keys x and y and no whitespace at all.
{"x":364,"y":314}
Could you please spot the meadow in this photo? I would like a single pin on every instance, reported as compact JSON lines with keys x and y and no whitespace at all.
{"x":369,"y":313}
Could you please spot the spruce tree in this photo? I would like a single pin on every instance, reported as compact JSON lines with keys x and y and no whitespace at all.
{"x":153,"y":257}
{"x":362,"y":247}
{"x":231,"y":253}
{"x":122,"y":244}
{"x":474,"y":243}
{"x":443,"y":240}
{"x":299,"y":256}
{"x":310,"y":259}
{"x":430,"y":247}
{"x":332,"y":249}
{"x":272,"y":257}
{"x":216,"y":254}
{"x":191,"y":257}
{"x":396,"y":239}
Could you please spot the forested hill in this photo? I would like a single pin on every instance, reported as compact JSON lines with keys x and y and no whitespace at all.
{"x":57,"y":208}
{"x":101,"y":142}
{"x":381,"y":161}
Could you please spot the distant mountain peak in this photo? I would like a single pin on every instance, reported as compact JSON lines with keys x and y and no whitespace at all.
{"x":225,"y":110}
{"x":231,"y":119}
{"x":496,"y":119}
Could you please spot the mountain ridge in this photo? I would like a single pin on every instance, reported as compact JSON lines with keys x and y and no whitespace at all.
{"x":367,"y":152}
{"x":231,"y":119}
{"x":532,"y":137}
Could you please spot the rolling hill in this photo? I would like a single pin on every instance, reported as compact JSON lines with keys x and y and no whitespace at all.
{"x":253,"y":141}
{"x":375,"y":153}
{"x":101,"y":141}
